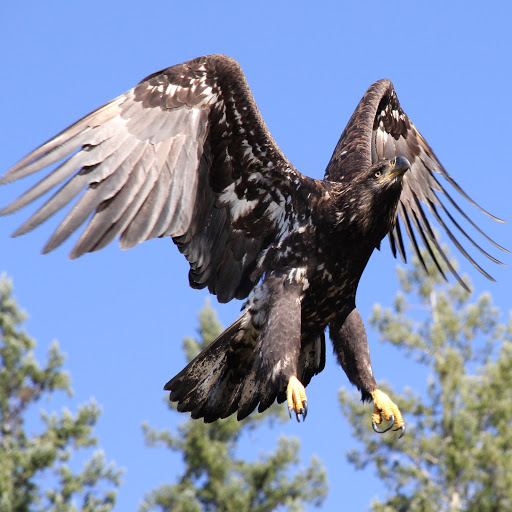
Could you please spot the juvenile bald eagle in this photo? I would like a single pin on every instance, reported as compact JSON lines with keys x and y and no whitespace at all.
{"x":186,"y":154}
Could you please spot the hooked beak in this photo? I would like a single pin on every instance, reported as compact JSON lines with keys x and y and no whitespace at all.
{"x":397,"y":167}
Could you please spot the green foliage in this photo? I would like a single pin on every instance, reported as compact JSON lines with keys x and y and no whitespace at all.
{"x":215,"y":477}
{"x":26,"y":459}
{"x":457,"y":452}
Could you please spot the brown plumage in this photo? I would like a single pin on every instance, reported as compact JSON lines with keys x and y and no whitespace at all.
{"x":186,"y":154}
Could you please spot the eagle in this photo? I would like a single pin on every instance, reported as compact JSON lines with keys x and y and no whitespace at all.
{"x":186,"y":154}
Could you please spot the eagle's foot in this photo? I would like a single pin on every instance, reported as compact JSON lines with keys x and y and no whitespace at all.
{"x":385,"y":409}
{"x":297,"y":400}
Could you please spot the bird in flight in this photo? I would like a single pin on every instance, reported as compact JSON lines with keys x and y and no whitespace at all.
{"x":186,"y":154}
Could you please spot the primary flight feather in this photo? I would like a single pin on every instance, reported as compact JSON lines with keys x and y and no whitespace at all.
{"x":186,"y":154}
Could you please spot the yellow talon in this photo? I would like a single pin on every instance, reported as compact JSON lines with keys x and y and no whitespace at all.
{"x":297,"y":400}
{"x":385,"y":409}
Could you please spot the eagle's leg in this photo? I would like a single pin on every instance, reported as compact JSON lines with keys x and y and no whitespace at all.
{"x":278,"y":352}
{"x":351,"y":346}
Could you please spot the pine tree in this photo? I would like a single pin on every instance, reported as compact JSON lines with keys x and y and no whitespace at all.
{"x":25,"y":459}
{"x":215,"y":477}
{"x":457,"y":452}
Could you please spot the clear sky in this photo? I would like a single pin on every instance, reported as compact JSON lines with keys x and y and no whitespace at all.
{"x":121,"y":315}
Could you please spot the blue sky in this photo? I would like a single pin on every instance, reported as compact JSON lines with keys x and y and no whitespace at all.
{"x":121,"y":315}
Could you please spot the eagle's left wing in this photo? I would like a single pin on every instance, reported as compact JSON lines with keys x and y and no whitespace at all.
{"x":380,"y":129}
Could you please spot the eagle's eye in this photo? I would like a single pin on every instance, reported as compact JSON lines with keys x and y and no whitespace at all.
{"x":377,"y":174}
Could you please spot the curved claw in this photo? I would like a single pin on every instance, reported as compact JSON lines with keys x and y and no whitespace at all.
{"x":402,"y":428}
{"x":385,"y":409}
{"x":391,"y":423}
{"x":297,"y":401}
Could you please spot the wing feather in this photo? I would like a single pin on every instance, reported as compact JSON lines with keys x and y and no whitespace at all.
{"x":412,"y":237}
{"x":419,"y":228}
{"x":380,"y":129}
{"x":144,"y":220}
{"x":397,"y":242}
{"x":111,"y":211}
{"x":469,"y":220}
{"x":454,"y":240}
{"x":184,"y":154}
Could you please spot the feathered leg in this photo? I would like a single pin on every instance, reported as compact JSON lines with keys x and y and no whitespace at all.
{"x":351,"y":346}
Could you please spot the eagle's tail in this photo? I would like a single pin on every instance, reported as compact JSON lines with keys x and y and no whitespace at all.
{"x":227,"y":376}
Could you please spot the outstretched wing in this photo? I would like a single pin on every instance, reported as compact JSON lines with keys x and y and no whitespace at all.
{"x":184,"y":154}
{"x":379,"y":129}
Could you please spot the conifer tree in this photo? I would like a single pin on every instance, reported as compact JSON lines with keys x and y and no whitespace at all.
{"x":35,"y":469}
{"x":457,"y":452}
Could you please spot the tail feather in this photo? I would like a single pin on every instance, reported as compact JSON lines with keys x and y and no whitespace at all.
{"x":226,"y":377}
{"x":312,"y":357}
{"x":248,"y":398}
{"x":250,"y":363}
{"x":210,"y":385}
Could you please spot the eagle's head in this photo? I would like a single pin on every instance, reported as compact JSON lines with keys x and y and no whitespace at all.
{"x":381,"y":188}
{"x":387,"y":173}
{"x":367,"y":205}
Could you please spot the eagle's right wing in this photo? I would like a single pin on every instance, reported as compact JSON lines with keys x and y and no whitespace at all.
{"x":184,"y":154}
